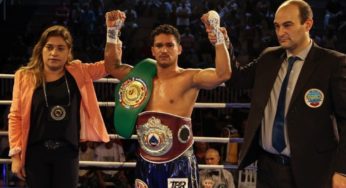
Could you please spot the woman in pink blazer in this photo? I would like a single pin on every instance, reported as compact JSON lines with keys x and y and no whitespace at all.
{"x":54,"y":106}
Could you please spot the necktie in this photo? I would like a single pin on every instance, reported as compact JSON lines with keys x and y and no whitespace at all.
{"x":278,"y":136}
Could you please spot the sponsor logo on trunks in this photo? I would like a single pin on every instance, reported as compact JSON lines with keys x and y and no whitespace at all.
{"x":132,"y":93}
{"x":178,"y":183}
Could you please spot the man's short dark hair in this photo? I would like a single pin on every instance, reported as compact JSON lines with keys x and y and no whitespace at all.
{"x":305,"y":11}
{"x":165,"y":29}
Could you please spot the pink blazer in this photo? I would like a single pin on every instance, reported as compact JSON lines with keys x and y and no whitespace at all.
{"x":92,"y":124}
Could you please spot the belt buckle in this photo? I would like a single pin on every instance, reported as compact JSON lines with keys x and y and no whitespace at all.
{"x":154,"y":137}
{"x":51,"y":144}
{"x":283,"y":160}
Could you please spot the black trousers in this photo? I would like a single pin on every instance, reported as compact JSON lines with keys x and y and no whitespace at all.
{"x":273,"y":174}
{"x":52,"y":168}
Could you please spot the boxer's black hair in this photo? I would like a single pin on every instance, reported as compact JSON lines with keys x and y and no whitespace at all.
{"x":165,"y":29}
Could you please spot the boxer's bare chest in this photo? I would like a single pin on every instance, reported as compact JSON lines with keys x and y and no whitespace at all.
{"x":173,"y":94}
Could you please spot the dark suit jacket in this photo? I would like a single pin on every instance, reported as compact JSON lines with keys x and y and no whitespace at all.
{"x":315,"y":152}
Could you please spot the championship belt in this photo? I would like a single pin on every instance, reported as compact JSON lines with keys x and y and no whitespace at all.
{"x":163,"y":137}
{"x":132,"y":96}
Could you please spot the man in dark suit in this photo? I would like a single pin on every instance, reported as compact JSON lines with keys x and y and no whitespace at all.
{"x":290,"y":125}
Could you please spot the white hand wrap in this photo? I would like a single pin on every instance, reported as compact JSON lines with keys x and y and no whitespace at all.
{"x":113,"y":32}
{"x":214,"y":21}
{"x":112,"y":35}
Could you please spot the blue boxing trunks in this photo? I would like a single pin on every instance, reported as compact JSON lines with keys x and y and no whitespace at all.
{"x":166,"y":156}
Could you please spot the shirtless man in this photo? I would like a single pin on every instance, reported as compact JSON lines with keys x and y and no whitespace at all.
{"x":164,"y":128}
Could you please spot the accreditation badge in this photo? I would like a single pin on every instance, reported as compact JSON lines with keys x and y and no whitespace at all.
{"x":132,"y":93}
{"x":58,"y":113}
{"x":314,"y":98}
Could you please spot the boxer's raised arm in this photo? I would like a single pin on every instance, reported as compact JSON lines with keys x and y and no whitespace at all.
{"x":113,"y":50}
{"x":212,"y":77}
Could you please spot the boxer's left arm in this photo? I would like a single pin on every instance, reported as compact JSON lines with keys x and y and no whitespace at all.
{"x":113,"y":49}
{"x":212,"y":77}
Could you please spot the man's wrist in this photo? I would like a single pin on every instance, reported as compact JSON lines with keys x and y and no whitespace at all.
{"x":228,"y":44}
{"x":220,"y":39}
{"x":112,"y":35}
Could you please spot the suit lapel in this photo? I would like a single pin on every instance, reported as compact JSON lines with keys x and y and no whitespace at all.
{"x":308,"y":68}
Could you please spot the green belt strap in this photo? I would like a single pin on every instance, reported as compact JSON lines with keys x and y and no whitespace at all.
{"x":131,"y":98}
